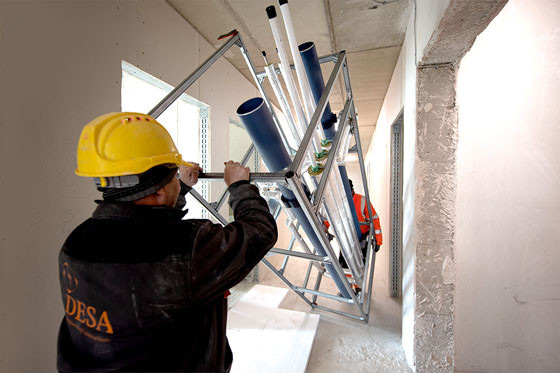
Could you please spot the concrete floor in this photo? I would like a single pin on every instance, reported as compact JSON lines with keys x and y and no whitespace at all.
{"x":343,"y":344}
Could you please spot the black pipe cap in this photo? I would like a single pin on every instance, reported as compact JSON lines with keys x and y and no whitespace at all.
{"x":271,"y":11}
{"x":282,"y":2}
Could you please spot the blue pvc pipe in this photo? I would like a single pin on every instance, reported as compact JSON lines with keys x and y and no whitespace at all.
{"x":308,"y":54}
{"x":259,"y":124}
{"x":310,"y":61}
{"x":261,"y":128}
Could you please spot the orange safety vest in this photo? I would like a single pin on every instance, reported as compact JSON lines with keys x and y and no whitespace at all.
{"x":363,"y":217}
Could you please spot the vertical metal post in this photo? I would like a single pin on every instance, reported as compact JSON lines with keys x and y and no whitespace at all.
{"x":307,"y":274}
{"x":290,"y":247}
{"x":396,"y":208}
{"x":204,"y":157}
{"x":317,"y":285}
{"x":244,"y":161}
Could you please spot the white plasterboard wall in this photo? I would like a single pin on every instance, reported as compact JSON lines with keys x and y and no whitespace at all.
{"x":401,"y":95}
{"x":60,"y":68}
{"x":508,"y":280}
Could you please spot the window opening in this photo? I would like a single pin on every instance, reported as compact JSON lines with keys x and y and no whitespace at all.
{"x":186,"y":120}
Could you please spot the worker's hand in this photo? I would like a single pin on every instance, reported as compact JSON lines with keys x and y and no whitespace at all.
{"x":189,"y":175}
{"x":234,"y":171}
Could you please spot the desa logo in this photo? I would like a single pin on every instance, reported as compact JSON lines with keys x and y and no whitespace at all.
{"x":82,"y":312}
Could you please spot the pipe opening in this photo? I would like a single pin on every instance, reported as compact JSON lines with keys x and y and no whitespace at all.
{"x":250,"y":106}
{"x":306,"y":46}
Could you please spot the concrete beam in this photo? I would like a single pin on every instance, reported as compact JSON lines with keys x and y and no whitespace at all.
{"x":462,"y":22}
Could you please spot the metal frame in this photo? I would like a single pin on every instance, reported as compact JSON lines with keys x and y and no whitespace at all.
{"x":293,"y":177}
{"x":395,"y":272}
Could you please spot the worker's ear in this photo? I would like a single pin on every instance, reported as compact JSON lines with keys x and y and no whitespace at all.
{"x":160,"y":196}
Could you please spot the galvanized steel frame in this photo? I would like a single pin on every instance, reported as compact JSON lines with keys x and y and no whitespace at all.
{"x":294,"y":179}
{"x":395,"y":268}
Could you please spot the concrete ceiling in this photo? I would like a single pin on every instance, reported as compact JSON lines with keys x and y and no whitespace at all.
{"x":370,"y":31}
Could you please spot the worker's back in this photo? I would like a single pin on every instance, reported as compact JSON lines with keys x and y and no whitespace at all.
{"x":144,"y":290}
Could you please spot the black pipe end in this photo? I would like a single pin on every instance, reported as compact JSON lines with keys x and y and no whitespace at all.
{"x":263,"y":53}
{"x":282,"y":2}
{"x":271,"y":12}
{"x":290,"y":174}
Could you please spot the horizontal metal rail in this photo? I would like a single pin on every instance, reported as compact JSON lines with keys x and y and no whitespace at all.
{"x":341,"y":313}
{"x":298,"y":254}
{"x":333,"y":57}
{"x":324,"y":295}
{"x":254,"y":176}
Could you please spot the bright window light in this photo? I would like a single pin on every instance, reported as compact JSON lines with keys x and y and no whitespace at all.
{"x":186,"y":120}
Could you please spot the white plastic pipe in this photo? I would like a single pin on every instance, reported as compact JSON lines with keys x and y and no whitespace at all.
{"x":344,"y":146}
{"x":338,"y":211}
{"x":281,"y":97}
{"x":317,"y":133}
{"x":300,"y":70}
{"x":290,"y":223}
{"x":285,"y":65}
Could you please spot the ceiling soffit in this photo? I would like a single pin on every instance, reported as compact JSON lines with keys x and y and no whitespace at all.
{"x":370,"y":31}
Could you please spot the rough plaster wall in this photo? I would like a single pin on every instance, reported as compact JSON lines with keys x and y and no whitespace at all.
{"x":508,"y":201}
{"x":60,"y":67}
{"x":435,"y":218}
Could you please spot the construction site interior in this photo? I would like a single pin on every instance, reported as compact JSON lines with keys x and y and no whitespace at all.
{"x":443,"y":114}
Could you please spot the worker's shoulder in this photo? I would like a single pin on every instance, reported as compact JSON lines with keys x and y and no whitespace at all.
{"x":130,"y":240}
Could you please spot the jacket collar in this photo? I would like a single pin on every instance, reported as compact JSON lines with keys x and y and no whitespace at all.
{"x":129,"y":210}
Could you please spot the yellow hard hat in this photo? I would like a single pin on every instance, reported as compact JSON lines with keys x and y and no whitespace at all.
{"x":118,"y":144}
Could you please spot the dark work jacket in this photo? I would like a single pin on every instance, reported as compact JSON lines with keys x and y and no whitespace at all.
{"x":144,"y":290}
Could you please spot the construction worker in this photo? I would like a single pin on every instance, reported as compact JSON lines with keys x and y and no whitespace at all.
{"x":142,"y":289}
{"x":363,"y":218}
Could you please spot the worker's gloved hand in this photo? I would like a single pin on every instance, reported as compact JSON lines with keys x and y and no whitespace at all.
{"x":234,"y":171}
{"x":376,"y":248}
{"x":189,"y":175}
